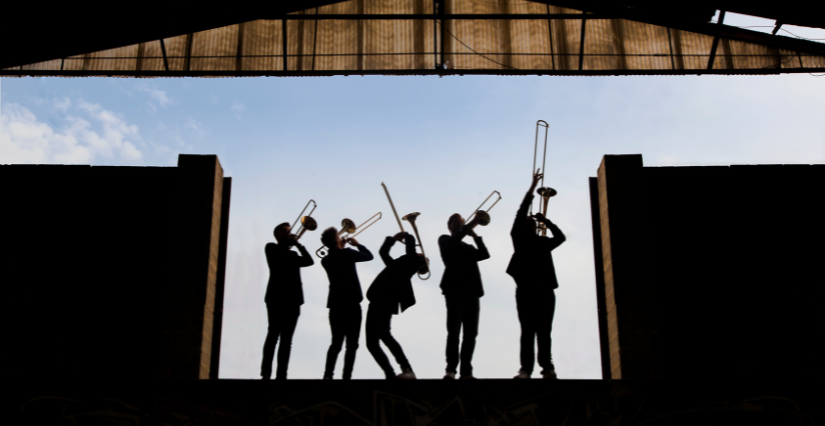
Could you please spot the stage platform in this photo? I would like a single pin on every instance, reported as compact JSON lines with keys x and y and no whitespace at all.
{"x":420,"y":402}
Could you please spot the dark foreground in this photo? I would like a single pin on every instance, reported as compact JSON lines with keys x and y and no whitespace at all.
{"x":421,"y":402}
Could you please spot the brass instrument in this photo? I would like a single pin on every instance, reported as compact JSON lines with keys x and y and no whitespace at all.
{"x":543,"y":191}
{"x":410,"y":218}
{"x":484,"y":215}
{"x":307,"y":222}
{"x":347,"y":228}
{"x":365,"y":227}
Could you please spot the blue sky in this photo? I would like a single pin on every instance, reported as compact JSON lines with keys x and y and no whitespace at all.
{"x":441,"y":145}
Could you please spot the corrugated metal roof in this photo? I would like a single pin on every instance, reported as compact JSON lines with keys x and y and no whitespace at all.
{"x":544,"y":40}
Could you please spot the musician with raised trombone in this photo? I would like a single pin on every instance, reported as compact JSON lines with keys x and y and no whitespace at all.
{"x":462,"y":288}
{"x":284,"y":292}
{"x":345,"y":295}
{"x":392,"y":289}
{"x":532,"y":268}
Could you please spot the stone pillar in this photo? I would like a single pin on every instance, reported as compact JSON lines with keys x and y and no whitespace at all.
{"x":630,"y":299}
{"x":189,"y":302}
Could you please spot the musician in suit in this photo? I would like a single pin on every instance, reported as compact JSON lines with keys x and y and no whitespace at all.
{"x":533,"y":270}
{"x":462,"y":288}
{"x":284,"y":297}
{"x":345,"y":296}
{"x":390,"y":289}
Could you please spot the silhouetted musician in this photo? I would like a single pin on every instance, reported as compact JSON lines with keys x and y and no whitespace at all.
{"x":535,"y":275}
{"x":284,"y":297}
{"x":461,"y":286}
{"x":390,"y":289}
{"x":345,"y":296}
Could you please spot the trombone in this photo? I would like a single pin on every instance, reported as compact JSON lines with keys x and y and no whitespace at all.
{"x":347,"y":229}
{"x":410,"y":218}
{"x":307,"y":222}
{"x":483,"y":215}
{"x":543,"y":191}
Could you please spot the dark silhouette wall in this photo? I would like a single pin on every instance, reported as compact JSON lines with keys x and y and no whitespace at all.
{"x":709,"y":272}
{"x":115,"y":272}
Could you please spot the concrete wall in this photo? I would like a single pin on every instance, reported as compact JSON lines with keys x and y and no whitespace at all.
{"x":113,"y":272}
{"x":709,"y":271}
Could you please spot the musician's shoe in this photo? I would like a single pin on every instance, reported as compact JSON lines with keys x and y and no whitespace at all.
{"x":522,"y":375}
{"x":449,"y":375}
{"x":467,"y":377}
{"x":327,"y":377}
{"x":406,"y":374}
{"x":549,"y":374}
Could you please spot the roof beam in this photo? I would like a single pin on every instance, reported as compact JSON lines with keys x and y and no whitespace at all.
{"x":452,"y":16}
{"x":791,"y":12}
{"x":163,"y":51}
{"x":715,"y":41}
{"x":581,"y":45}
{"x":64,"y":29}
{"x":447,"y":72}
{"x":67,"y":45}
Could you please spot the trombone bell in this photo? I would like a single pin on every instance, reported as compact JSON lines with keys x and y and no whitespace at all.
{"x":309,"y":223}
{"x":411,"y":217}
{"x":301,"y":217}
{"x":546,"y":192}
{"x":483,"y":218}
{"x":347,"y":227}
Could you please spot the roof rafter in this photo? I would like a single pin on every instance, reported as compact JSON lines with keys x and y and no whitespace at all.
{"x":391,"y":37}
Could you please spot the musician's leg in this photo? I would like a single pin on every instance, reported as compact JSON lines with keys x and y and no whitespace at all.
{"x":395,"y":347}
{"x":376,"y":331}
{"x":353,"y":333}
{"x":290,"y":320}
{"x":545,"y":313}
{"x":470,"y":328}
{"x":454,"y":312}
{"x":271,"y":340}
{"x":336,"y":324}
{"x":526,"y":317}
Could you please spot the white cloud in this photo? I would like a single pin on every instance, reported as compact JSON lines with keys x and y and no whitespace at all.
{"x":238,"y":108}
{"x":82,"y":140}
{"x":62,"y":104}
{"x":159,"y":96}
{"x":194,"y":125}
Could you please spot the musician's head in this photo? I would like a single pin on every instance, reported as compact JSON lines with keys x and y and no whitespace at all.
{"x":455,"y":222}
{"x":281,"y":232}
{"x":530,"y":224}
{"x":331,"y":239}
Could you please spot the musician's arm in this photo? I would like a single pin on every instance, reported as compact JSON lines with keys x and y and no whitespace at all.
{"x":362,"y":255}
{"x":304,"y":259}
{"x":409,"y":241}
{"x":384,"y":252}
{"x":481,"y":253}
{"x":558,"y":236}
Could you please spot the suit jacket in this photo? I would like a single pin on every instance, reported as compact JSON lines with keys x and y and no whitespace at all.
{"x":393,"y":286}
{"x":284,"y":287}
{"x":461,"y":275}
{"x":532,"y":262}
{"x":344,"y":286}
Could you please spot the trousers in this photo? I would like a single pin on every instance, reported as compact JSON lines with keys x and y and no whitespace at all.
{"x":535,"y":313}
{"x":345,"y":324}
{"x":462,"y":314}
{"x":282,"y":321}
{"x":379,"y":318}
